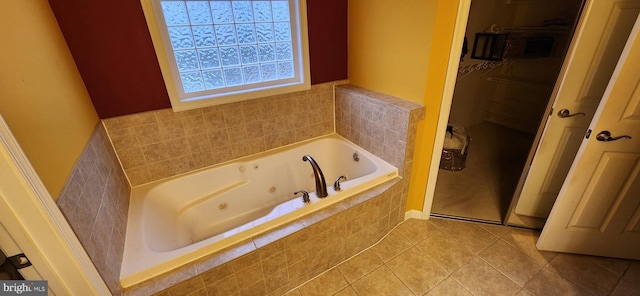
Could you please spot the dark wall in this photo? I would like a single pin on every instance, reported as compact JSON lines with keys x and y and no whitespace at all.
{"x":112,"y":48}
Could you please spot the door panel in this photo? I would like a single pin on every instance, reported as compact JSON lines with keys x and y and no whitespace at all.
{"x":596,"y":47}
{"x":595,"y":205}
{"x":553,"y":181}
{"x":618,"y":26}
{"x":597,"y":210}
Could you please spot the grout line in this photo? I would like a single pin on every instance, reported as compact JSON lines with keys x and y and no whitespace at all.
{"x":345,"y":260}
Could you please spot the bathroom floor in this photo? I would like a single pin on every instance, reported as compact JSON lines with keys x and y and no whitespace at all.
{"x":450,"y":257}
{"x":484,"y":189}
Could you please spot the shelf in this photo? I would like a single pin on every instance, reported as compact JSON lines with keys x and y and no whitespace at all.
{"x":504,"y":79}
{"x":539,"y":29}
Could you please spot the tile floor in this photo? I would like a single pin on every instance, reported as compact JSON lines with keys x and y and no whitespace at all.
{"x":493,"y":167}
{"x":450,"y":257}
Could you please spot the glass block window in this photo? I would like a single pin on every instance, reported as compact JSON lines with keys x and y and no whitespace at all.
{"x":222,"y":48}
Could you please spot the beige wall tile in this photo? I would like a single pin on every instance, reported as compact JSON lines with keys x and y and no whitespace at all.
{"x":246,"y":127}
{"x":95,"y":203}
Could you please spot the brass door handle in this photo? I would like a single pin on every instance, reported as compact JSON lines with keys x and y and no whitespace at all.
{"x":605,"y":136}
{"x":564,"y":113}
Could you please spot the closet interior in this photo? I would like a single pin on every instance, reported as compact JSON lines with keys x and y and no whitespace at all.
{"x":514,"y":50}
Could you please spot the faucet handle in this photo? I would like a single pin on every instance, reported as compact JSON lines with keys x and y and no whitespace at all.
{"x":305,"y":196}
{"x":336,"y":184}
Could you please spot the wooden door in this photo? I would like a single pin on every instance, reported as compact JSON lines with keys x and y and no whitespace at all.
{"x":598,"y":208}
{"x":596,"y":47}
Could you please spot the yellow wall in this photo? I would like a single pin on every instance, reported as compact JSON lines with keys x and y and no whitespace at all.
{"x":42,"y":96}
{"x":445,"y":20}
{"x":401,"y":48}
{"x":389,"y":45}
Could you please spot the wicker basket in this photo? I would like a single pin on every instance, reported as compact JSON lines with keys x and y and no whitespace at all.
{"x":453,"y":159}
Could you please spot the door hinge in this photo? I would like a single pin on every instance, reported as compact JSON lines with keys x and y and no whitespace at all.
{"x":588,"y":133}
{"x":19,"y":261}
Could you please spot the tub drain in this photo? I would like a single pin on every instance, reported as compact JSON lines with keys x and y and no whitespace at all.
{"x":223,"y":206}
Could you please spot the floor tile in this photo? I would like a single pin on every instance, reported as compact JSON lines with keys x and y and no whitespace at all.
{"x":549,"y":282}
{"x":392,"y":245}
{"x":358,"y":266}
{"x":482,"y":279}
{"x":348,"y":291}
{"x":446,"y":251}
{"x":449,"y":287}
{"x":519,"y":267}
{"x":416,"y":230}
{"x":524,"y":292}
{"x":417,"y":271}
{"x":471,"y":235}
{"x":327,"y":283}
{"x":497,"y":230}
{"x":632,"y":275}
{"x":381,"y":282}
{"x":525,"y":241}
{"x":584,"y":273}
{"x":444,"y":263}
{"x":617,"y":266}
{"x":290,"y":293}
{"x":625,"y":288}
{"x":441,"y":223}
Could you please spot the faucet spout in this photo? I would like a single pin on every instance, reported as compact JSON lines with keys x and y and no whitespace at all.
{"x":321,"y":184}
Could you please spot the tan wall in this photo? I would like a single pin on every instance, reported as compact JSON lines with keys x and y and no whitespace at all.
{"x":42,"y":96}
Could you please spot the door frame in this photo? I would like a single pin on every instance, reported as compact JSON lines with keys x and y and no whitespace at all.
{"x":34,"y":222}
{"x":459,"y":32}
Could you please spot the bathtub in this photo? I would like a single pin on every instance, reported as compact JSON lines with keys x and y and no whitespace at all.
{"x":179,"y":220}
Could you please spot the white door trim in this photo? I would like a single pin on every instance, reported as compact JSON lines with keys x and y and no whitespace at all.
{"x":462,"y":16}
{"x":34,"y":221}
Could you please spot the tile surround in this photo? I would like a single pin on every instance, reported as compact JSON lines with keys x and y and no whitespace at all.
{"x":383,"y":125}
{"x":159,"y":144}
{"x":280,"y":260}
{"x":162,"y":143}
{"x":95,"y":202}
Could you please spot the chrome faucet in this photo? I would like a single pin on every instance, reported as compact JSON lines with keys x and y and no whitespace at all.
{"x":321,"y":184}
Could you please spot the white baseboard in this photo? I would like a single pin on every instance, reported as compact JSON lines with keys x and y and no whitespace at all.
{"x":414,"y":214}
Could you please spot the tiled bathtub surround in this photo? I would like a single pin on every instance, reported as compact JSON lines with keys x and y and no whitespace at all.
{"x":158,"y":144}
{"x":95,"y":202}
{"x":383,"y":125}
{"x":281,"y":260}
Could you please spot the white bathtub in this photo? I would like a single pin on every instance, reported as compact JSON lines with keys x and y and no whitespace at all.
{"x":176,"y":221}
